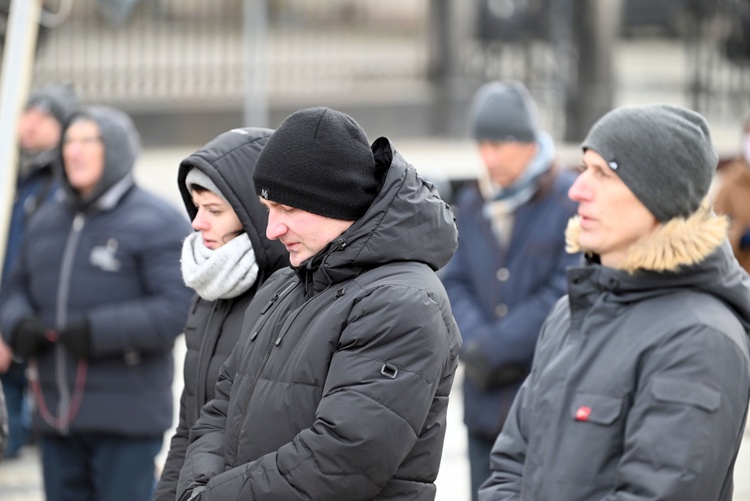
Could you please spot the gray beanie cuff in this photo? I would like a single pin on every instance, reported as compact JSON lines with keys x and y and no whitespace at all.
{"x":197,"y":177}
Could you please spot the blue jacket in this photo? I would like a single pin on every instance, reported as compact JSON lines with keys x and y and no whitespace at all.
{"x":36,"y":185}
{"x":500,"y":298}
{"x":113,"y":259}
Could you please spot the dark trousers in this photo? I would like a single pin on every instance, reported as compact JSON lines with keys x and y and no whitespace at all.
{"x":99,"y":467}
{"x":479,"y":462}
{"x":17,"y":402}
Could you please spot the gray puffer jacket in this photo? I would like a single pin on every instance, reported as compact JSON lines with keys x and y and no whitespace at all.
{"x":338,"y":389}
{"x":640,"y":383}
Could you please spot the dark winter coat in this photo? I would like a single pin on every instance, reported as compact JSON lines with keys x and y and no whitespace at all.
{"x":213,"y":327}
{"x":112,"y":258}
{"x":640,"y":383}
{"x":36,"y":185}
{"x":338,"y":389}
{"x":500,"y":297}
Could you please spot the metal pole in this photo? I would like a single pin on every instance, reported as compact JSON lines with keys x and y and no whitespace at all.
{"x":15,"y":80}
{"x":255,"y":28}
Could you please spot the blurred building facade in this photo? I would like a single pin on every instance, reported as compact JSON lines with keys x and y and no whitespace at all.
{"x":186,"y":69}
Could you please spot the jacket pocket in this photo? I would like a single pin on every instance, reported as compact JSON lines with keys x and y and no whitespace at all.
{"x":592,"y":442}
{"x":672,"y":391}
{"x":596,"y":409}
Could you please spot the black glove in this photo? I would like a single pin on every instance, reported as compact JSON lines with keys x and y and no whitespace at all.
{"x":76,"y":338}
{"x":478,"y":370}
{"x":31,"y":337}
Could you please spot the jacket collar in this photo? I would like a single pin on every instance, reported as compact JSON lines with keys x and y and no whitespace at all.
{"x":675,"y":243}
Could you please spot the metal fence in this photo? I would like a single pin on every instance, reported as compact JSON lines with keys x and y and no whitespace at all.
{"x":719,"y":54}
{"x":151,"y":55}
{"x":193,"y":52}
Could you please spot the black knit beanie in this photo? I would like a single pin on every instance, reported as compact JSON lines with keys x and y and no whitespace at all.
{"x":318,"y":160}
{"x":663,"y":153}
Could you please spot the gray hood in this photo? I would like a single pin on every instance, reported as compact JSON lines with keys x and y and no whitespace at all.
{"x":229,"y":161}
{"x":122,"y":145}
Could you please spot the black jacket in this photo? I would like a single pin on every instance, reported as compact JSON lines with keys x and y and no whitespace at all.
{"x":339,"y":387}
{"x":213,"y":327}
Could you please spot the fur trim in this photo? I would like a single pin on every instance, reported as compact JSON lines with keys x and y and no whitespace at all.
{"x":675,"y":243}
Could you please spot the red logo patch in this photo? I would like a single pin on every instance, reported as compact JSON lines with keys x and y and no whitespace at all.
{"x":582,"y":414}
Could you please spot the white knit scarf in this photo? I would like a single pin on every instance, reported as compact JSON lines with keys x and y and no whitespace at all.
{"x":221,"y":273}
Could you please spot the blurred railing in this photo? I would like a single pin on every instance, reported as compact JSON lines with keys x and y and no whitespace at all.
{"x":192,"y":52}
{"x":177,"y":55}
{"x":719,"y":56}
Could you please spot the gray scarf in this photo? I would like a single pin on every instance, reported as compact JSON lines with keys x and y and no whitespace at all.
{"x":222,"y":273}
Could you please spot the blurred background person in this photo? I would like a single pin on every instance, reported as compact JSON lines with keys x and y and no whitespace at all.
{"x":95,"y":302}
{"x":641,"y":375}
{"x":39,"y":130}
{"x":225,"y":261}
{"x":509,"y":268}
{"x":733,"y":199}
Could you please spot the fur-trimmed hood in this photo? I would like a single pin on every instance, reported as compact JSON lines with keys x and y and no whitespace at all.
{"x":674,"y":244}
{"x":688,"y":252}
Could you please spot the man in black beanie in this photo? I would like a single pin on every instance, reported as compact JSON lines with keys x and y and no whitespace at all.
{"x":641,"y":376}
{"x":39,"y":127}
{"x":338,"y":388}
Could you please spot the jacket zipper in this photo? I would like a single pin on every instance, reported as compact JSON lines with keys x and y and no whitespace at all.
{"x":201,"y":377}
{"x":274,"y":302}
{"x":63,"y":293}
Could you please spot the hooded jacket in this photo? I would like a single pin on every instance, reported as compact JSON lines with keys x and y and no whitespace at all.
{"x":641,"y":378}
{"x":213,"y":327}
{"x":113,"y":259}
{"x":338,"y":389}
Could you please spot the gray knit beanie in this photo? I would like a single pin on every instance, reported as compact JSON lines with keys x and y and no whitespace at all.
{"x":319,"y":160}
{"x":58,"y":100}
{"x":663,"y":153}
{"x":504,"y":111}
{"x":197,"y":177}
